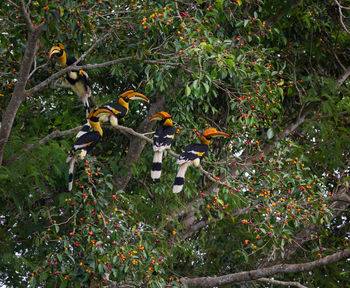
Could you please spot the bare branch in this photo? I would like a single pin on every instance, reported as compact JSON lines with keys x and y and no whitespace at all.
{"x":19,"y":92}
{"x":282,"y":283}
{"x":60,"y":73}
{"x":342,"y":78}
{"x":26,"y":16}
{"x":172,"y":153}
{"x":13,"y":4}
{"x":341,"y":15}
{"x":246,"y":276}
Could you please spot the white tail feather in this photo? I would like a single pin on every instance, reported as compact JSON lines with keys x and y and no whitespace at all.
{"x":177,"y":188}
{"x":182,"y":170}
{"x":71,"y":173}
{"x":157,"y":158}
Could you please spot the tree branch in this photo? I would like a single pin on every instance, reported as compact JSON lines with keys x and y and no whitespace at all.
{"x":282,"y":283}
{"x":19,"y":92}
{"x":28,"y":147}
{"x":342,"y":78}
{"x":341,"y":16}
{"x":26,"y":16}
{"x":246,"y":276}
{"x":136,"y":146}
{"x":60,"y":73}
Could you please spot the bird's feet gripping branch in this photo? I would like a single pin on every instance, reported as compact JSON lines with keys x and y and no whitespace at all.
{"x":162,"y":140}
{"x":193,"y":153}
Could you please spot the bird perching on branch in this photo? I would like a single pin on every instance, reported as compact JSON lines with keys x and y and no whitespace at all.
{"x":86,"y":141}
{"x":193,"y":153}
{"x":119,"y":110}
{"x":162,"y":140}
{"x":77,"y":80}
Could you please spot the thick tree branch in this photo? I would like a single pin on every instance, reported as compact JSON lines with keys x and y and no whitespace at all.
{"x":19,"y":92}
{"x":282,"y":283}
{"x":26,"y":16}
{"x":264,"y":272}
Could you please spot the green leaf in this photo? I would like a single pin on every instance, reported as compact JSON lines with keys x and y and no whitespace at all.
{"x":187,"y":91}
{"x":206,"y":86}
{"x":270,"y":133}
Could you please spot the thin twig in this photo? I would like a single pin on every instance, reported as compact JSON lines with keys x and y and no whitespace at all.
{"x":282,"y":283}
{"x":341,"y":15}
{"x":28,"y":147}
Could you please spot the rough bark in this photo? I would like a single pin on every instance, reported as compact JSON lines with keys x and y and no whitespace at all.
{"x":19,"y":92}
{"x":264,"y":272}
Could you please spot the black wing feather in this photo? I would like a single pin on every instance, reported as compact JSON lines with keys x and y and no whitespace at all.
{"x":193,"y":151}
{"x":163,"y":135}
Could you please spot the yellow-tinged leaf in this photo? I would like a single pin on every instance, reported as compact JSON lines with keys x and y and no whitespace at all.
{"x":61,"y":11}
{"x":239,"y":2}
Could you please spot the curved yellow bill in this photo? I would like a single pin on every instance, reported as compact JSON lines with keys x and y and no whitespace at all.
{"x":137,"y":96}
{"x":54,"y":50}
{"x":99,"y":112}
{"x":160,"y":116}
{"x":212,"y":132}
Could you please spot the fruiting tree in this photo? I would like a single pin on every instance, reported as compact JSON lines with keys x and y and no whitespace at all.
{"x":269,"y":206}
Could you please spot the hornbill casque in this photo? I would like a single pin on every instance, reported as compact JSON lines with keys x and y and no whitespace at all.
{"x":193,"y":153}
{"x":119,"y":109}
{"x":162,"y":140}
{"x":77,"y":80}
{"x":86,"y":141}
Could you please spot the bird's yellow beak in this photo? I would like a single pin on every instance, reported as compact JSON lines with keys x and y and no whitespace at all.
{"x":54,"y":50}
{"x":160,"y":116}
{"x":137,"y":96}
{"x":212,"y":132}
{"x":96,"y":112}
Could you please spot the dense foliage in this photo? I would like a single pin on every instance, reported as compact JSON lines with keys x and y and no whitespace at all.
{"x":272,"y":74}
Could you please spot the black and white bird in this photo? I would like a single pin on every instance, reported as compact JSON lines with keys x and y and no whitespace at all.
{"x":119,"y":110}
{"x":162,"y":140}
{"x":77,"y":80}
{"x":192,"y":155}
{"x":87,"y":141}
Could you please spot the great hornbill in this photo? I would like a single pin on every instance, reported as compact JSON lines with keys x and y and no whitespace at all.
{"x":162,"y":140}
{"x":86,"y":141}
{"x":77,"y":80}
{"x":119,"y":109}
{"x":193,"y":153}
